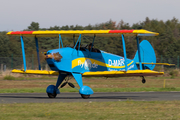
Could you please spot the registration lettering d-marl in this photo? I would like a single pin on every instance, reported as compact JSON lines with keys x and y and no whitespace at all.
{"x":116,"y":62}
{"x":121,"y":62}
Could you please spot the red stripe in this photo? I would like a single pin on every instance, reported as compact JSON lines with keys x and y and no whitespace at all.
{"x":21,"y":32}
{"x":121,"y":31}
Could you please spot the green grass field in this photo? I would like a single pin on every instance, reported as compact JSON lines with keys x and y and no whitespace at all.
{"x":125,"y":110}
{"x":121,"y":110}
{"x":123,"y":84}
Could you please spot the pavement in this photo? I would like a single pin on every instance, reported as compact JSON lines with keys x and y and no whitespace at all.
{"x":96,"y":97}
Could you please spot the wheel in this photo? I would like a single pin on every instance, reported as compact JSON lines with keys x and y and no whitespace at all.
{"x":50,"y":95}
{"x":143,"y":81}
{"x":85,"y":96}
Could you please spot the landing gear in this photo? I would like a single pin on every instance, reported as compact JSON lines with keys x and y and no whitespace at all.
{"x":67,"y":82}
{"x":52,"y":90}
{"x":143,"y":80}
{"x":85,"y":96}
{"x":84,"y":91}
{"x":50,"y":95}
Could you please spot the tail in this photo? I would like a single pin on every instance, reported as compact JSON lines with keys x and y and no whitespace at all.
{"x":147,"y":55}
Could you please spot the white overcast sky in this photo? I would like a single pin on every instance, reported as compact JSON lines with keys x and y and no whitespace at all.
{"x":18,"y":14}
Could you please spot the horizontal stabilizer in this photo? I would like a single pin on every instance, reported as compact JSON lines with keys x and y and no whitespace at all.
{"x":158,"y":64}
{"x":36,"y":72}
{"x":128,"y":73}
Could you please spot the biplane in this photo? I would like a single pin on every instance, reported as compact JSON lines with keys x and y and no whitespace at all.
{"x":78,"y":61}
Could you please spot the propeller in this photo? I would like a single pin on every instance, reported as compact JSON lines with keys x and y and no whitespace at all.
{"x":56,"y":56}
{"x":71,"y":85}
{"x":64,"y":84}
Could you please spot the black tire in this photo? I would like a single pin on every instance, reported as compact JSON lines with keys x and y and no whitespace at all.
{"x":143,"y":81}
{"x":50,"y":95}
{"x":85,"y":96}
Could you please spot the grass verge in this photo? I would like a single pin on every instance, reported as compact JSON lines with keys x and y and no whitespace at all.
{"x":126,"y":84}
{"x":43,"y":90}
{"x":124,"y":110}
{"x":9,"y":77}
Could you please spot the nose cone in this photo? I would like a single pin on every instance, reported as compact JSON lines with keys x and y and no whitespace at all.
{"x":56,"y":56}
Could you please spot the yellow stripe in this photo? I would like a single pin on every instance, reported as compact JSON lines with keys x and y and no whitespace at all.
{"x":39,"y":72}
{"x":120,"y":73}
{"x":104,"y":33}
{"x":75,"y":63}
{"x":9,"y":33}
{"x":158,"y":64}
{"x":144,"y":32}
{"x":72,"y":32}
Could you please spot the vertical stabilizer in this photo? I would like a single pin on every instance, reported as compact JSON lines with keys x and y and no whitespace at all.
{"x":147,"y":55}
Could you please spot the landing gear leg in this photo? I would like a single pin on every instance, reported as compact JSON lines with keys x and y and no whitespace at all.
{"x":84,"y":91}
{"x":143,"y":80}
{"x":53,"y":90}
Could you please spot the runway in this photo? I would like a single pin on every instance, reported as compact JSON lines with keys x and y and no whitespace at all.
{"x":96,"y":97}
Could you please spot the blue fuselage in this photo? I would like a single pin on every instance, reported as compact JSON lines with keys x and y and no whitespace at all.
{"x":81,"y":61}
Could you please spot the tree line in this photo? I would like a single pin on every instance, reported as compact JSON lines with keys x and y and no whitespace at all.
{"x":167,"y":44}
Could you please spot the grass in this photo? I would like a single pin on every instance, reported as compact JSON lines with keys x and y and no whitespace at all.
{"x":125,"y":110}
{"x":91,"y":110}
{"x":43,"y":90}
{"x":9,"y":77}
{"x":126,"y":84}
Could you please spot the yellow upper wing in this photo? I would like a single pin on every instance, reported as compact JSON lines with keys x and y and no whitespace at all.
{"x":76,"y":33}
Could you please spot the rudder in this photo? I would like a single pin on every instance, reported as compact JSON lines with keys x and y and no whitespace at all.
{"x":147,"y":55}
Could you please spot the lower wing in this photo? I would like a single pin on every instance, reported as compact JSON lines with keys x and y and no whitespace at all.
{"x":97,"y":73}
{"x":122,"y":73}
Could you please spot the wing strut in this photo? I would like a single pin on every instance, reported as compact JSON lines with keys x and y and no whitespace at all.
{"x":124,"y":50}
{"x":37,"y":50}
{"x":23,"y":53}
{"x":139,"y":54}
{"x":78,"y":41}
{"x":74,"y":39}
{"x":93,"y":42}
{"x":60,"y":41}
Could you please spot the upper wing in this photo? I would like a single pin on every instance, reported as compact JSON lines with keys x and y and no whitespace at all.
{"x":76,"y":33}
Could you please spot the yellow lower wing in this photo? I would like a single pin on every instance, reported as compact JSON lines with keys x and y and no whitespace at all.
{"x":122,"y":73}
{"x":158,"y":64}
{"x":97,"y":73}
{"x":37,"y":72}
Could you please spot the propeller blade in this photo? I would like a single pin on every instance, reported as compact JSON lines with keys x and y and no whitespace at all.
{"x":56,"y":56}
{"x":71,"y":85}
{"x":63,"y":84}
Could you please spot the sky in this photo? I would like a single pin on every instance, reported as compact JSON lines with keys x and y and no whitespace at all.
{"x":17,"y":15}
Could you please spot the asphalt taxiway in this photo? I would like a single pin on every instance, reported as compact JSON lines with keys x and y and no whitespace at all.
{"x":96,"y":97}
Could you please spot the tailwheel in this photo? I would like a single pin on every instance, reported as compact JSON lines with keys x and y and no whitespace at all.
{"x":50,"y":95}
{"x":143,"y":80}
{"x":85,"y":96}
